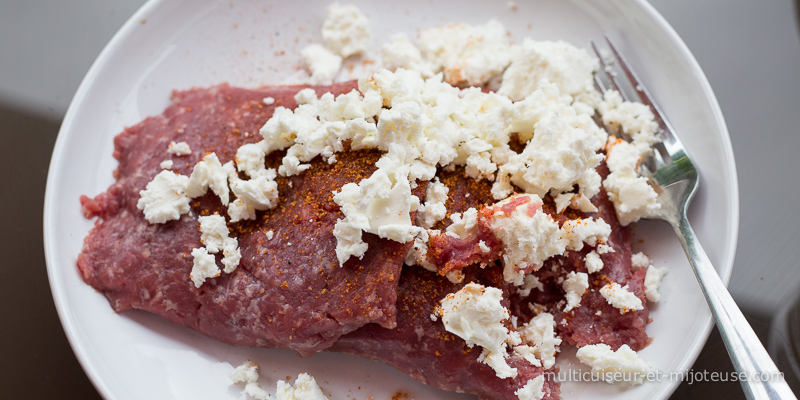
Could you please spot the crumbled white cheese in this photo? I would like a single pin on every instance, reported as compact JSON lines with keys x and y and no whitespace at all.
{"x":562,"y":152}
{"x":239,"y":211}
{"x":561,"y":63}
{"x":455,"y":276}
{"x":529,"y":236}
{"x":529,"y":283}
{"x":399,"y":52}
{"x":323,"y":64}
{"x":270,"y":234}
{"x":562,"y":201}
{"x":166,"y":164}
{"x":582,"y":203}
{"x":539,"y":333}
{"x":470,"y":55}
{"x":376,"y":205}
{"x":476,"y":315}
{"x":306,"y":96}
{"x":418,"y":253}
{"x":604,"y":249}
{"x":164,"y":198}
{"x":632,"y":196}
{"x":640,"y":260}
{"x":621,"y":298}
{"x":231,"y":255}
{"x":210,"y":174}
{"x":593,"y":262}
{"x":260,"y":192}
{"x":622,"y":365}
{"x":247,"y":373}
{"x":305,"y":388}
{"x":635,"y":119}
{"x":214,"y":235}
{"x":349,"y":106}
{"x":575,"y":286}
{"x":348,"y":239}
{"x":345,"y":29}
{"x":463,"y":225}
{"x":204,"y":266}
{"x":576,"y":232}
{"x":269,"y":100}
{"x":213,"y":231}
{"x":433,"y":210}
{"x":250,"y":158}
{"x":179,"y":149}
{"x":652,"y":280}
{"x":534,"y":388}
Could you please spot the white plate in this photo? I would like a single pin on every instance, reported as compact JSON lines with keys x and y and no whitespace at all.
{"x":180,"y":44}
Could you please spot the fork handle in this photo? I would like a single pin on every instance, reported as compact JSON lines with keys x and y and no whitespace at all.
{"x":744,"y":347}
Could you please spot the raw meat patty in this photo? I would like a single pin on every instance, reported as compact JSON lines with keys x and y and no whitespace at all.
{"x":287,"y":292}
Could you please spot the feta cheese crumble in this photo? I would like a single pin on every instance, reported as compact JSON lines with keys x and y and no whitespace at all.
{"x":575,"y":286}
{"x":634,"y":119}
{"x":247,"y":373}
{"x":640,"y":260}
{"x":591,"y":231}
{"x":632,"y":196}
{"x":622,"y":365}
{"x":560,"y":63}
{"x":164,"y":198}
{"x":238,"y":210}
{"x":323,"y":64}
{"x":540,"y":335}
{"x":652,"y":281}
{"x":433,"y":210}
{"x":399,"y":52}
{"x":345,"y":30}
{"x":467,"y":54}
{"x":529,"y":236}
{"x":593,"y":262}
{"x":380,"y":204}
{"x":204,"y":266}
{"x":210,"y":173}
{"x":533,"y":389}
{"x":179,"y":149}
{"x":166,"y":164}
{"x":621,"y":298}
{"x":305,"y":388}
{"x":476,"y":315}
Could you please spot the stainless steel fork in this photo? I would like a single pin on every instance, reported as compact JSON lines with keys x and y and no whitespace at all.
{"x":673,"y":176}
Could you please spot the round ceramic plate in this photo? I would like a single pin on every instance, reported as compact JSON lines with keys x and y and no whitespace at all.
{"x":181,"y":44}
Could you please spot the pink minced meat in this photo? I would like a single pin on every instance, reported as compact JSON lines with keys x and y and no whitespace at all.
{"x":594,"y":321}
{"x":423,"y":349}
{"x":282,"y":295}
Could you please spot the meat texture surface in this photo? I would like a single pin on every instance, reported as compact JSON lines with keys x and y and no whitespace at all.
{"x":288,"y":291}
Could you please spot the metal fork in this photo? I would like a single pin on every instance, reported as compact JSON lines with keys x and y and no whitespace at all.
{"x":673,"y":176}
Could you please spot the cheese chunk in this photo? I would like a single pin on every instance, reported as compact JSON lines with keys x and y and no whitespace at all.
{"x":621,"y":298}
{"x":164,"y":198}
{"x":476,"y":315}
{"x":622,"y":365}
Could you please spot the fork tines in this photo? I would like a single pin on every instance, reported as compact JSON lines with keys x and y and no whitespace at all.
{"x":608,"y":78}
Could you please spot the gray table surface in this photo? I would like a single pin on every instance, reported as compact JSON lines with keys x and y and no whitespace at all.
{"x":749,"y":50}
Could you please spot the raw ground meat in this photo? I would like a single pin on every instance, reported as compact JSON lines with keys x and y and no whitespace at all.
{"x":582,"y":325}
{"x":296,"y":296}
{"x":423,"y":349}
{"x":287,"y":292}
